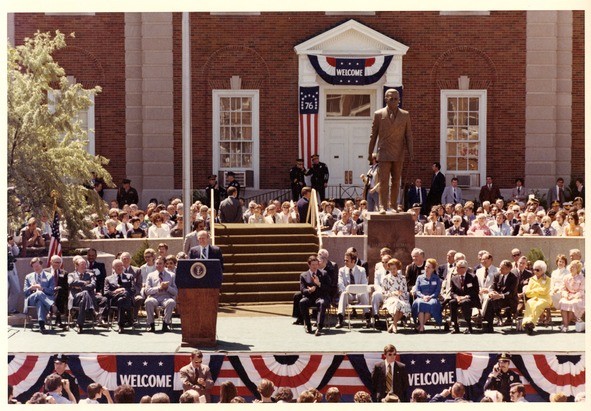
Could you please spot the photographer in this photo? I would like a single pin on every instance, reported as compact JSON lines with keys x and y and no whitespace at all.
{"x":55,"y":386}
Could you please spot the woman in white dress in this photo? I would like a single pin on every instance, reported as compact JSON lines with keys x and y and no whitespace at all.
{"x":572,"y":303}
{"x":395,"y":292}
{"x":158,"y":229}
{"x":557,"y":279}
{"x":559,"y":223}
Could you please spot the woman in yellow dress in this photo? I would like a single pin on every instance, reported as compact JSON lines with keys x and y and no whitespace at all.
{"x":537,"y":292}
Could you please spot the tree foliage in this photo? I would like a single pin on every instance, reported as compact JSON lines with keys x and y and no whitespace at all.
{"x":46,"y":142}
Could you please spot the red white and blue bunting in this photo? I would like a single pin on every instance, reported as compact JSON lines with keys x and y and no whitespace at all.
{"x":352,"y":71}
{"x":542,"y":374}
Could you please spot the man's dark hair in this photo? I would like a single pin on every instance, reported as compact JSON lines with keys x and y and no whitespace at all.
{"x":284,"y":394}
{"x":196,"y":353}
{"x":418,"y":395}
{"x":94,"y":389}
{"x":519,"y":179}
{"x":333,"y":395}
{"x":312,"y":258}
{"x":438,"y":165}
{"x":38,"y":398}
{"x":352,"y":256}
{"x":124,"y":394}
{"x":454,"y":179}
{"x":53,"y":382}
{"x":231,"y":190}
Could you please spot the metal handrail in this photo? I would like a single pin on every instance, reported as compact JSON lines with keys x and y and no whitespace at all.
{"x":281,"y":195}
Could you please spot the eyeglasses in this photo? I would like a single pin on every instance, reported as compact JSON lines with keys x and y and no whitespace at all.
{"x":512,"y":392}
{"x":391,"y":354}
{"x":516,"y":255}
{"x":537,"y":270}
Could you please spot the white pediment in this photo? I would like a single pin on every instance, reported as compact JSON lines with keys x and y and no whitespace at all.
{"x":351,"y":39}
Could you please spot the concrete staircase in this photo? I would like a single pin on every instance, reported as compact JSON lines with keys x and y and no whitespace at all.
{"x":262,"y":262}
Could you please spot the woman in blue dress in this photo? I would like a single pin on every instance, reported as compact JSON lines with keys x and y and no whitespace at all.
{"x":426,"y":303}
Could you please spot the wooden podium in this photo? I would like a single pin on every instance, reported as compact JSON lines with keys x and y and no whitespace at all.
{"x":199,"y":283}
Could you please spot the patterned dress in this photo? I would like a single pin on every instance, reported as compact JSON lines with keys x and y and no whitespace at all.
{"x":392,"y":301}
{"x":573,"y":287}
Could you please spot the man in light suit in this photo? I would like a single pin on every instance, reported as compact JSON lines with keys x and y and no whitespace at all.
{"x":230,"y":209}
{"x":398,"y":385}
{"x":392,"y":125}
{"x":39,"y":289}
{"x":160,"y":290}
{"x":205,"y":251}
{"x":351,"y":273}
{"x":558,"y":192}
{"x":197,"y":376}
{"x":452,"y":194}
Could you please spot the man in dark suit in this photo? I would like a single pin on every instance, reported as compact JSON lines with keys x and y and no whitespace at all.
{"x":389,"y":376}
{"x":392,"y":126}
{"x":315,"y":287}
{"x":503,"y":294}
{"x":523,"y":277}
{"x":205,"y":251}
{"x":489,"y":192}
{"x":417,"y":194}
{"x":120,"y":290}
{"x":464,"y":294}
{"x":558,"y":192}
{"x":303,"y":205}
{"x":437,"y":187}
{"x":99,"y":269}
{"x":230,"y":209}
{"x":457,"y":392}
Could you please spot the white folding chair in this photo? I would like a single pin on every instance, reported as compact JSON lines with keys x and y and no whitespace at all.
{"x":355,"y":289}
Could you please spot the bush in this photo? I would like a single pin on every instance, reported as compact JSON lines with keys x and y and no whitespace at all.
{"x":536,"y":254}
{"x":138,"y":258}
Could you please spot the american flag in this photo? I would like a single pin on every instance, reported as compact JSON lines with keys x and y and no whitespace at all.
{"x":55,"y":246}
{"x":309,"y":102}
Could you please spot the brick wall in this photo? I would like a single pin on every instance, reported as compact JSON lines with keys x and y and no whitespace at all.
{"x":96,"y":56}
{"x":489,"y":49}
{"x":578,"y":102}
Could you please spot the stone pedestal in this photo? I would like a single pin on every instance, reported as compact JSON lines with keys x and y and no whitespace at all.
{"x":395,"y":231}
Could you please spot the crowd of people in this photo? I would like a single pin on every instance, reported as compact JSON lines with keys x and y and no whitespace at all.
{"x":513,"y":292}
{"x":389,"y":383}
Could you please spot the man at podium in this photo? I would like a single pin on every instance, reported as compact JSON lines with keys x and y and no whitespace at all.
{"x":206,"y":251}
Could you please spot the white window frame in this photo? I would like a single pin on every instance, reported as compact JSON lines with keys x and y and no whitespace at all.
{"x":254,"y":95}
{"x":482,"y":122}
{"x":52,"y":95}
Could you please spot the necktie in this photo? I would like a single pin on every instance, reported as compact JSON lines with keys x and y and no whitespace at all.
{"x":455,"y":197}
{"x":351,"y":277}
{"x":489,"y":186}
{"x":202,"y":253}
{"x":462,"y":281}
{"x":485,"y":273}
{"x":518,"y":190}
{"x":119,"y":280}
{"x":389,"y":379}
{"x":503,"y":280}
{"x":547,"y":231}
{"x":36,"y":278}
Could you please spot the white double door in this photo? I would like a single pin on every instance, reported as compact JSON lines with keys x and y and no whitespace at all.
{"x":345,"y":146}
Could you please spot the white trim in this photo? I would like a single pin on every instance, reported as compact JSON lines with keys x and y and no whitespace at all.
{"x":215,"y":140}
{"x":390,"y":46}
{"x":482,"y":137}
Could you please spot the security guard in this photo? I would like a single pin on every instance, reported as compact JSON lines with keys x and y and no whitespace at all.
{"x":231,"y":182}
{"x":502,"y":377}
{"x":297,"y":180}
{"x":319,"y":173}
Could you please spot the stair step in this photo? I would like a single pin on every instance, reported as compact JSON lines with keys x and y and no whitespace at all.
{"x":268,"y":286}
{"x":264,"y":257}
{"x":311,"y":248}
{"x":265,"y":239}
{"x":257,"y":297}
{"x":233,"y":229}
{"x":292,"y":276}
{"x":265,"y":267}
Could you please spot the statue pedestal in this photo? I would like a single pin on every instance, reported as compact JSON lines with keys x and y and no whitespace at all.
{"x":395,"y":231}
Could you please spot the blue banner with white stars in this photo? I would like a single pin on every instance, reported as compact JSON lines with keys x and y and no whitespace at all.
{"x":147,"y":374}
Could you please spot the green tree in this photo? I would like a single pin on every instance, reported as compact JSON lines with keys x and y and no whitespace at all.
{"x":46,"y":143}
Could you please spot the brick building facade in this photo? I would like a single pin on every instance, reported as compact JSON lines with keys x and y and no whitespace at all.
{"x":519,"y":114}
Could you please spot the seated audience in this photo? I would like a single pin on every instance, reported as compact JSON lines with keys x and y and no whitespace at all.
{"x":573,"y":229}
{"x":434,"y":226}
